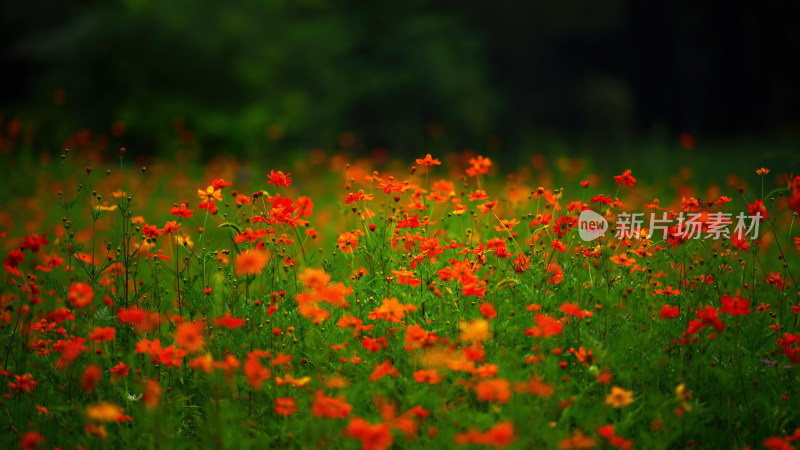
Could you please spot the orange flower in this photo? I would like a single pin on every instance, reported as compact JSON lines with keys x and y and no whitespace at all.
{"x":430,"y":376}
{"x":279,"y":178}
{"x":428,"y":161}
{"x":285,"y":406}
{"x":92,"y":376}
{"x":474,"y":331}
{"x":210,"y":194}
{"x":372,"y":437}
{"x":255,"y":372}
{"x":80,"y":294}
{"x":391,"y":310}
{"x":104,"y":412}
{"x":383,"y":369}
{"x":24,"y":383}
{"x":314,"y":278}
{"x":418,"y":337}
{"x":574,"y":310}
{"x":31,"y":440}
{"x":102,"y":334}
{"x":487,"y":311}
{"x":289,"y":379}
{"x":578,"y":439}
{"x":151,"y":397}
{"x":626,"y":178}
{"x":546,"y":327}
{"x":330,"y":407}
{"x":619,"y":397}
{"x":251,"y":262}
{"x":119,"y":371}
{"x":735,"y":306}
{"x":313,"y":312}
{"x":189,"y":336}
{"x":500,"y":435}
{"x":493,"y":390}
{"x":347,"y":242}
{"x":228,"y":321}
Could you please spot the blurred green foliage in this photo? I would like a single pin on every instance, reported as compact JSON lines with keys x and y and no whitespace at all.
{"x":499,"y":77}
{"x":309,"y":69}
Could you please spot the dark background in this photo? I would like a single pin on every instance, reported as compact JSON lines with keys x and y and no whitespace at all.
{"x":239,"y":76}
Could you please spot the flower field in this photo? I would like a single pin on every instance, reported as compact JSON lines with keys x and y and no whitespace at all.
{"x":443,"y":302}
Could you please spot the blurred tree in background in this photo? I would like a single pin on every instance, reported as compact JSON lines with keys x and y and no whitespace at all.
{"x":242,"y":74}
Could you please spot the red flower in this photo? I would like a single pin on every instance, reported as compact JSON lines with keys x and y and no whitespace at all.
{"x":151,"y":232}
{"x":330,"y":407}
{"x":279,"y":178}
{"x":228,"y":321}
{"x":80,"y":294}
{"x":181,"y":211}
{"x":102,"y":334}
{"x":669,"y":312}
{"x":757,"y":207}
{"x":119,"y":371}
{"x":735,"y":306}
{"x":285,"y":406}
{"x":625,"y":178}
{"x":372,"y":437}
{"x":428,"y":161}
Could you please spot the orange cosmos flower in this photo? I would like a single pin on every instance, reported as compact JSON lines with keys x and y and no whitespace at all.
{"x":255,"y":372}
{"x":151,"y":397}
{"x":500,"y":435}
{"x":428,"y":161}
{"x":314,"y":278}
{"x":735,"y":306}
{"x":24,"y":383}
{"x":430,"y":376}
{"x":372,"y":437}
{"x":251,"y":262}
{"x":347,"y":242}
{"x":119,"y":371}
{"x":487,"y":310}
{"x":31,"y":440}
{"x":104,"y":412}
{"x":279,"y":178}
{"x":418,"y":337}
{"x":626,"y":178}
{"x":285,"y":406}
{"x":383,"y":369}
{"x":474,"y":331}
{"x":546,"y":327}
{"x":210,"y":194}
{"x":102,"y":334}
{"x":391,"y":310}
{"x":91,"y":377}
{"x":578,"y":439}
{"x":189,"y":336}
{"x":495,"y":390}
{"x":330,"y":407}
{"x":228,"y":321}
{"x":80,"y":294}
{"x":619,"y":397}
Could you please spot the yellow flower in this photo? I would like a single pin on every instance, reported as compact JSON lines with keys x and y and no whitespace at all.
{"x":184,"y":241}
{"x":105,"y":207}
{"x":209,"y":194}
{"x":104,"y":412}
{"x":477,"y":330}
{"x":762,"y":171}
{"x":619,"y":397}
{"x":682,"y":395}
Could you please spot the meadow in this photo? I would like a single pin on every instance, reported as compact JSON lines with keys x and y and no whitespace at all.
{"x":374,"y":303}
